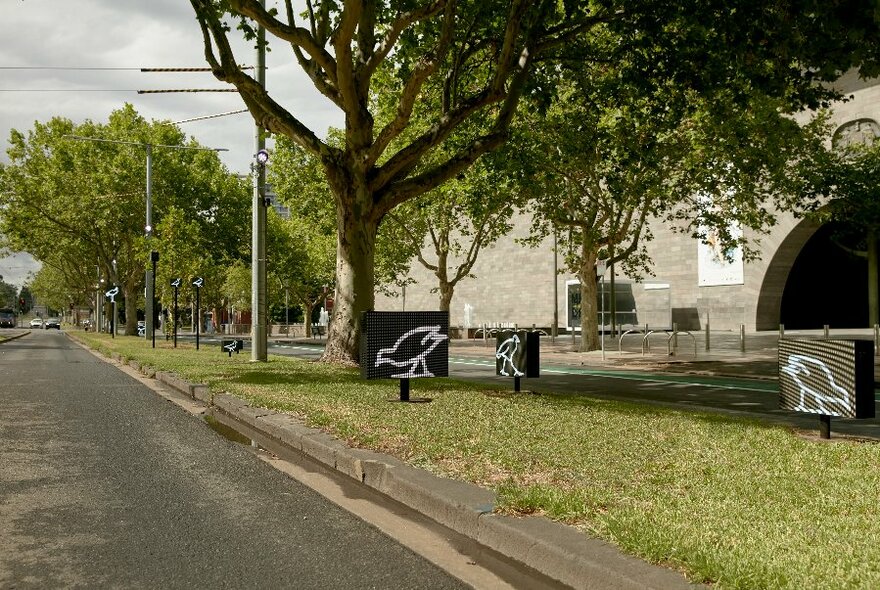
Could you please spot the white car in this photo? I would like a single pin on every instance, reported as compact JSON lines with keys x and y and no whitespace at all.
{"x":36,"y":323}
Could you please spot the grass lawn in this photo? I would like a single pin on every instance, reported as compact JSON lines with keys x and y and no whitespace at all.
{"x":729,"y":501}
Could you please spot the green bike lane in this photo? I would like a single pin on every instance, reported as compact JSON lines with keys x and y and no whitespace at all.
{"x":752,"y":397}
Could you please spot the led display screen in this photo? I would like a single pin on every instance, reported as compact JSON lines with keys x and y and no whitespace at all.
{"x":404,"y":344}
{"x":230,"y":346}
{"x":827,"y":377}
{"x":517,"y":354}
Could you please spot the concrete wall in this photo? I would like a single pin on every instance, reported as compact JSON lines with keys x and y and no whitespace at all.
{"x":514,"y":283}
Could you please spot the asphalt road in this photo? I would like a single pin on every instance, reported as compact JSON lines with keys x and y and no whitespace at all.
{"x":105,"y":484}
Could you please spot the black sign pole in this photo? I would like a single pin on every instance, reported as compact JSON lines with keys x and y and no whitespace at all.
{"x":516,"y":383}
{"x":174,"y":320}
{"x":824,"y":426}
{"x":404,"y":389}
{"x":113,"y":321}
{"x":198,"y":318}
{"x":154,"y":256}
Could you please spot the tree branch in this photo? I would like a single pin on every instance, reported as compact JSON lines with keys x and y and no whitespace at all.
{"x":266,"y":112}
{"x":394,"y":194}
{"x":396,"y":28}
{"x":426,"y":67}
{"x":414,"y":240}
{"x":288,"y":32}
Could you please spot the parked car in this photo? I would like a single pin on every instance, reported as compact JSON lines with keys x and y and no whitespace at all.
{"x":36,"y":323}
{"x":53,"y":323}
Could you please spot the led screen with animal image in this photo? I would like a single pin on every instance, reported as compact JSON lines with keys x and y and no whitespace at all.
{"x":404,"y":344}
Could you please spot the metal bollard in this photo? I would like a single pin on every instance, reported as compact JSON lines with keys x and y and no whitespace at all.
{"x":781,"y":331}
{"x":675,"y":336}
{"x":742,"y":337}
{"x":825,"y":329}
{"x":707,"y":331}
{"x":877,"y":339}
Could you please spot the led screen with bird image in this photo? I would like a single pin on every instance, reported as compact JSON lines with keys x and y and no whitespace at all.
{"x":404,"y":344}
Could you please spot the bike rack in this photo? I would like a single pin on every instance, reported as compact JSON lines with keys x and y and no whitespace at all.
{"x":646,"y":344}
{"x":620,"y":340}
{"x":675,"y":333}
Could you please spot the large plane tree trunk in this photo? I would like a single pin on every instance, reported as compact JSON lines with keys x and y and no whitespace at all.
{"x":355,"y":273}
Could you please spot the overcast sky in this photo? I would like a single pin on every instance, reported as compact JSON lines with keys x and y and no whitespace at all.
{"x":131,"y":34}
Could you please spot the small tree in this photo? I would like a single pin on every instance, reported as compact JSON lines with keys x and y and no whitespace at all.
{"x":672,"y":156}
{"x":7,"y":294}
{"x":457,"y":220}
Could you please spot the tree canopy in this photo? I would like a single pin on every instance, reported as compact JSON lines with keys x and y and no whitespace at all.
{"x":80,"y":206}
{"x":470,"y":63}
{"x":607,"y":160}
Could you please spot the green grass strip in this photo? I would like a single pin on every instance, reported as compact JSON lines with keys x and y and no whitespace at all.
{"x":730,"y":501}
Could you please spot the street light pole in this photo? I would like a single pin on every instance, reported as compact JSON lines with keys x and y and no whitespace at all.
{"x":151,"y":273}
{"x":259,"y":344}
{"x":554,"y":331}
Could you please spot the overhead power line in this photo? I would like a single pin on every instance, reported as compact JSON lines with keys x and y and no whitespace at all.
{"x":205,"y":117}
{"x":114,"y":69}
{"x":116,"y":90}
{"x":188,"y":69}
{"x":187,"y":90}
{"x":67,"y":90}
{"x":76,"y":68}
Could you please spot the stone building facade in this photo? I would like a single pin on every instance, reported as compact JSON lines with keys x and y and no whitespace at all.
{"x":800,"y":280}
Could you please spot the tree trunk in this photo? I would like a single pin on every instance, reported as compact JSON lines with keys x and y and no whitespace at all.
{"x":444,"y":285}
{"x":307,"y":318}
{"x":355,"y":274}
{"x":131,"y":295}
{"x":589,"y":313}
{"x":447,"y":290}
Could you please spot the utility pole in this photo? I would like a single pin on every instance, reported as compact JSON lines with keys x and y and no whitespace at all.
{"x":258,"y":222}
{"x":150,"y":294}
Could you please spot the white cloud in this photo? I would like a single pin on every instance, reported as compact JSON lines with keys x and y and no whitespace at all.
{"x":133,"y":34}
{"x":17,"y":268}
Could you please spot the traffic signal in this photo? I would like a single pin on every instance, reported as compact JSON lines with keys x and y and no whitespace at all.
{"x":21,"y":304}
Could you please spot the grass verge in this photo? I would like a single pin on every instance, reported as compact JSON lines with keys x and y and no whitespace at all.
{"x":733,"y":502}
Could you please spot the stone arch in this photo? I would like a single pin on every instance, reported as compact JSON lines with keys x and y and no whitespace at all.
{"x":769,"y":305}
{"x":861,"y":131}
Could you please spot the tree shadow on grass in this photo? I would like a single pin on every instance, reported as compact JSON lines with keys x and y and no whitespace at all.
{"x":284,"y":378}
{"x":649,"y":409}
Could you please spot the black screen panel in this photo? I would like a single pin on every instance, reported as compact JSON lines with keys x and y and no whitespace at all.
{"x":827,"y":377}
{"x":404,"y":344}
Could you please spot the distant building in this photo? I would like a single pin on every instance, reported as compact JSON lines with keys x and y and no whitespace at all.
{"x":803,"y":279}
{"x":280,"y":209}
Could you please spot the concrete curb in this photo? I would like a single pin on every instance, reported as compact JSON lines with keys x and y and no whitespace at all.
{"x":555,"y":550}
{"x":13,"y":337}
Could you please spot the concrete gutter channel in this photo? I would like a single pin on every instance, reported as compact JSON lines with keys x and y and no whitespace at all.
{"x":555,"y":550}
